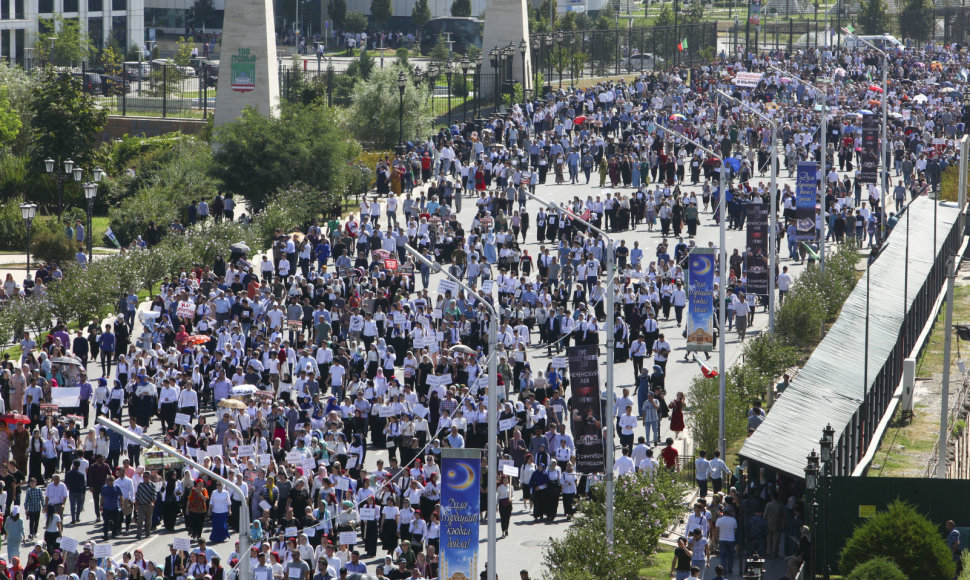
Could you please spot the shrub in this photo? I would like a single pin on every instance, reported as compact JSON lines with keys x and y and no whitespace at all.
{"x":375,"y":109}
{"x":904,"y":536}
{"x":877,"y":569}
{"x":644,"y":508}
{"x":48,"y":246}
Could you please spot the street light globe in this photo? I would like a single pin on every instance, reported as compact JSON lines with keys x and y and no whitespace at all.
{"x":522,"y":46}
{"x":90,"y":190}
{"x":78,"y":173}
{"x":98,"y":174}
{"x":28,"y":211}
{"x":402,"y":80}
{"x":49,"y":165}
{"x":69,"y":166}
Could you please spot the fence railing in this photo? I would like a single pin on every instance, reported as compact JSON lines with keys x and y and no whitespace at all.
{"x":149,"y":88}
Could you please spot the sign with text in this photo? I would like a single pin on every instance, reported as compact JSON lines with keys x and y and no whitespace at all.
{"x":586,"y":422}
{"x":700,"y":299}
{"x":806,"y":193}
{"x":460,"y":512}
{"x":756,"y":256}
{"x":869,"y":163}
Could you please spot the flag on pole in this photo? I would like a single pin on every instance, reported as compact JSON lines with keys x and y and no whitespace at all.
{"x":111,"y":236}
{"x":811,"y":253}
{"x":707,"y":371}
{"x":851,"y":29}
{"x":682,"y":45}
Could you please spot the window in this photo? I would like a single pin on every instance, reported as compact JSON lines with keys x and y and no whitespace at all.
{"x":45,"y":6}
{"x":95,"y":5}
{"x":96,"y":31}
{"x":119,"y":4}
{"x":119,"y":30}
{"x":70,"y":5}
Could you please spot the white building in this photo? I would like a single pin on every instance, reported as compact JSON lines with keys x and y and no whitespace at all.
{"x":21,"y":22}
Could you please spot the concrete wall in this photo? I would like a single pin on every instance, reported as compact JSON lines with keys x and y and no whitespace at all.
{"x":117,"y":126}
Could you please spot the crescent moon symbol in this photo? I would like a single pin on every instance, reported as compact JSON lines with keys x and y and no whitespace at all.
{"x":469,"y":478}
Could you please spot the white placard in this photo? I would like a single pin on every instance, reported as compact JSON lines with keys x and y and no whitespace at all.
{"x":439,"y":336}
{"x":400,"y":318}
{"x":68,"y":544}
{"x":294,"y":573}
{"x":487,"y":286}
{"x":185,"y":309}
{"x":506,"y":424}
{"x":294,"y":457}
{"x":446,"y":285}
{"x":367,"y":513}
{"x":510,"y":470}
{"x":183,"y":419}
{"x":246,"y":450}
{"x":182,"y":544}
{"x":309,"y":465}
{"x":387,"y":411}
{"x":343,"y":484}
{"x":748,"y":79}
{"x":559,"y":362}
{"x":444,"y":380}
{"x":264,"y":505}
{"x":264,"y":459}
{"x":348,"y":538}
{"x":436,"y":314}
{"x":264,"y":575}
{"x":421,"y":411}
{"x":310,"y":532}
{"x":351,"y":462}
{"x":200,"y":455}
{"x":102,"y":551}
{"x":214,"y":450}
{"x":290,"y":531}
{"x":504,"y":462}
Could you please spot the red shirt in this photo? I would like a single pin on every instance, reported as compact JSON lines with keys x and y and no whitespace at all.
{"x":669,"y":455}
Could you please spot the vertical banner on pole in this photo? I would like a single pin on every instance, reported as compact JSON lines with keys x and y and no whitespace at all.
{"x":700,"y":299}
{"x":754,"y":12}
{"x":869,"y":167}
{"x":756,"y":256}
{"x":461,"y":471}
{"x":806,"y":194}
{"x":586,"y":420}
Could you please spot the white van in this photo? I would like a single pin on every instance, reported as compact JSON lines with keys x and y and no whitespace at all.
{"x":881,"y":41}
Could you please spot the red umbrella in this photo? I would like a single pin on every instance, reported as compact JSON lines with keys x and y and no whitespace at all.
{"x":875,"y":88}
{"x":197,"y":339}
{"x":874,"y":102}
{"x":14,"y":418}
{"x":579,"y":120}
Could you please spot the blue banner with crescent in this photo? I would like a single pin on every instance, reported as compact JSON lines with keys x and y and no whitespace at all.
{"x":461,"y":471}
{"x":700,"y":299}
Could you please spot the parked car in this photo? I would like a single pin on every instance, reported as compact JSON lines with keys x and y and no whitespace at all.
{"x":185,"y":71}
{"x":881,"y":41}
{"x":90,"y":82}
{"x":114,"y":85}
{"x":643,"y":61}
{"x":204,"y":66}
{"x":136,"y":70}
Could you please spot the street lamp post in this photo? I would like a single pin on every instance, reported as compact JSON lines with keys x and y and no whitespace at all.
{"x":465,"y":64}
{"x":69,"y":171}
{"x":402,"y":83}
{"x":610,"y":446}
{"x":824,"y":129}
{"x":523,"y":47}
{"x":884,"y":150}
{"x":493,"y":59}
{"x":549,"y":40}
{"x":492,"y":460}
{"x":28,"y":211}
{"x":826,"y":472}
{"x":560,"y":38}
{"x":147,"y":441}
{"x":773,"y":218}
{"x":811,"y":486}
{"x":90,"y":192}
{"x":722,"y":284}
{"x":478,"y":84}
{"x":449,"y":68}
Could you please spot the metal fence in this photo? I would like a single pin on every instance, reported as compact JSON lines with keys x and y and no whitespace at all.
{"x":567,"y":56}
{"x":157,"y":88}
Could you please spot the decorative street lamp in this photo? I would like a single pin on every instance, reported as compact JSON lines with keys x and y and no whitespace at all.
{"x":811,"y":486}
{"x":402,"y":83}
{"x":549,"y":39}
{"x":449,"y":69}
{"x":465,"y":64}
{"x":478,"y":83}
{"x":523,"y":47}
{"x":90,"y":192}
{"x":69,"y":171}
{"x":28,"y":211}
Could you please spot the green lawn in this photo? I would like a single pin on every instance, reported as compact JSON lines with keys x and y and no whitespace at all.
{"x":660,"y":569}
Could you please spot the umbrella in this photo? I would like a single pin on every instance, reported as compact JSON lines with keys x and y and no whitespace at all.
{"x":243,"y":390}
{"x":197,"y":339}
{"x":14,"y":418}
{"x":242,"y":247}
{"x":875,"y":88}
{"x":299,"y":235}
{"x":66,"y":360}
{"x":676,"y":117}
{"x":266,"y":394}
{"x":920,"y":98}
{"x":579,"y":120}
{"x":874,"y":102}
{"x":864,"y":112}
{"x":935,"y":65}
{"x":232,"y":404}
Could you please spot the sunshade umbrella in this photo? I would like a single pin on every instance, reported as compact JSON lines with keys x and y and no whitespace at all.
{"x":875,"y":88}
{"x":579,"y":120}
{"x":14,"y":418}
{"x":197,"y":339}
{"x":232,"y":404}
{"x":864,"y":112}
{"x":243,"y":390}
{"x":874,"y":102}
{"x":299,"y":235}
{"x":920,"y":98}
{"x":676,"y":117}
{"x":240,"y":247}
{"x":66,"y":360}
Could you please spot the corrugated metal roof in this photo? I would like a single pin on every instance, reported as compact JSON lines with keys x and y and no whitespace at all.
{"x":829,"y":388}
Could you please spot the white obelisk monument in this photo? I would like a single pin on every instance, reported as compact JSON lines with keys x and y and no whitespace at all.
{"x":248,"y":74}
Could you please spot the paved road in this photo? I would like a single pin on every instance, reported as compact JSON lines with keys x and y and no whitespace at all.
{"x":523,"y":548}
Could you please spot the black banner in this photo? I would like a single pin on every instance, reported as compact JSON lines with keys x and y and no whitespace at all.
{"x":869,"y":165}
{"x":586,"y":421}
{"x":756,"y":256}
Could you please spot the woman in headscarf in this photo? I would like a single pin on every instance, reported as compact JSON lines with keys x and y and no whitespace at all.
{"x":170,"y":501}
{"x":256,"y":533}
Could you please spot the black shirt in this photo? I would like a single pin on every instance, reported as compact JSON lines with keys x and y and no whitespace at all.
{"x":683,"y":559}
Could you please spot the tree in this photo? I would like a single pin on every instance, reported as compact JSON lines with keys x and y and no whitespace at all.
{"x":338,"y":13}
{"x":421,"y":13}
{"x":666,"y":16}
{"x":917,"y":19}
{"x":201,"y":14}
{"x":461,"y":8}
{"x":71,"y":46}
{"x":255,"y":155}
{"x":9,"y":120}
{"x":183,"y":51}
{"x":375,"y":108}
{"x":877,"y":569}
{"x":905,"y":537}
{"x":380,"y":12}
{"x":355,"y":22}
{"x":873,"y":16}
{"x":66,"y":120}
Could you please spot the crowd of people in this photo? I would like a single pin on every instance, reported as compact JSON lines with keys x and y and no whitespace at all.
{"x":284,"y":371}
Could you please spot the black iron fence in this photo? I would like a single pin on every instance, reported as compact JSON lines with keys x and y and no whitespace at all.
{"x":566,"y":56}
{"x":158,"y":88}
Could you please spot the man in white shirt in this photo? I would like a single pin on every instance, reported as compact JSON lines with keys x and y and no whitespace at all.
{"x":627,"y":423}
{"x":639,"y":452}
{"x":726,"y":528}
{"x":661,"y":350}
{"x":717,"y":470}
{"x":784,"y":283}
{"x":701,"y":468}
{"x":649,"y":465}
{"x":623,"y":464}
{"x":56,"y":494}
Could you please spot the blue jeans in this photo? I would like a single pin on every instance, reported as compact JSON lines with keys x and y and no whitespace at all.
{"x":727,"y":555}
{"x":655,"y":426}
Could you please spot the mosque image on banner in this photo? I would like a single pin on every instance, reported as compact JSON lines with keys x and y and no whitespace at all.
{"x":700,"y":299}
{"x":461,"y":471}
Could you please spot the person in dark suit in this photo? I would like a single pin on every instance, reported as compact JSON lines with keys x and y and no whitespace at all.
{"x":174,"y":564}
